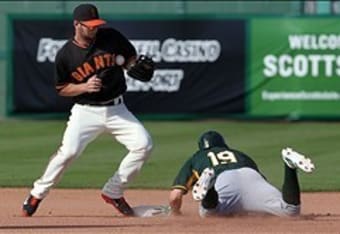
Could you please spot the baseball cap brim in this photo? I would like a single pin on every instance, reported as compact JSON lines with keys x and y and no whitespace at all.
{"x":94,"y":22}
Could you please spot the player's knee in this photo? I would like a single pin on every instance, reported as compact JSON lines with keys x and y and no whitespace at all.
{"x":287,"y":210}
{"x":144,"y":146}
{"x":293,"y":210}
{"x":147,"y":145}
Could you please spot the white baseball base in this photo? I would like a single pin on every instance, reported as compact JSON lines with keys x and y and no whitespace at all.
{"x":146,"y":211}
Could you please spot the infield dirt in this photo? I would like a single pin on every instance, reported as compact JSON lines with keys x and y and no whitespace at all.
{"x":83,"y":211}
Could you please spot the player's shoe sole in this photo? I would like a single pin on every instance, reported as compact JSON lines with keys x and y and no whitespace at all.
{"x":120,"y":204}
{"x":295,"y":160}
{"x":204,"y":183}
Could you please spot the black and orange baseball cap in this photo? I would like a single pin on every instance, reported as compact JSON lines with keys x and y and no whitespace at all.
{"x":88,"y":15}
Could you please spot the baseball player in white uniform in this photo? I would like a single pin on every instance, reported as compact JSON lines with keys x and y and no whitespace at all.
{"x":89,"y":68}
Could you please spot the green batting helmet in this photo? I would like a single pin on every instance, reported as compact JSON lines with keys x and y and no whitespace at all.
{"x":211,"y":139}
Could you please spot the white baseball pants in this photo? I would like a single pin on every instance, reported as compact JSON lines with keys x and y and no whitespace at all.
{"x":244,"y":190}
{"x":84,"y":125}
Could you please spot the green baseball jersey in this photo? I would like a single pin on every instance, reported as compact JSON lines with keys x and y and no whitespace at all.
{"x":219,"y":158}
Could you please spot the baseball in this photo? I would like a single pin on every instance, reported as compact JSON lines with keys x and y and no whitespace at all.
{"x":120,"y":60}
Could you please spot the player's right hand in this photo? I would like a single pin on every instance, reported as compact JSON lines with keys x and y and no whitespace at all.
{"x":93,"y":84}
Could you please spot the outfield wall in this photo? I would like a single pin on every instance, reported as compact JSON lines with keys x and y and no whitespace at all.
{"x":251,"y":71}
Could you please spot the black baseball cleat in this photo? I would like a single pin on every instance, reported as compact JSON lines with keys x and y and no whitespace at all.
{"x":30,"y":206}
{"x":120,"y":204}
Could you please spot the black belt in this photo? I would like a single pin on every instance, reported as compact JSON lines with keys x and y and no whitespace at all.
{"x":112,"y":102}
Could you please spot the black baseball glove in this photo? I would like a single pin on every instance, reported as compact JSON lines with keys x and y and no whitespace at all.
{"x":143,"y":69}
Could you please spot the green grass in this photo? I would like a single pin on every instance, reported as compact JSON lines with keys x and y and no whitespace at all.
{"x":26,"y":145}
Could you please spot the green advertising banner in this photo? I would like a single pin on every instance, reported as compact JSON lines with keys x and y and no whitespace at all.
{"x":294,"y":67}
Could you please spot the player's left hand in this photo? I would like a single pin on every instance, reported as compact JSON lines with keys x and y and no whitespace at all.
{"x":143,"y":69}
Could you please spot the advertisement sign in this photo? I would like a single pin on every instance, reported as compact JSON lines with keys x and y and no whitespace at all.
{"x":294,"y":67}
{"x":199,"y":65}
